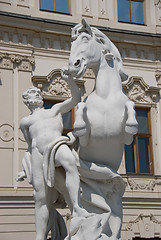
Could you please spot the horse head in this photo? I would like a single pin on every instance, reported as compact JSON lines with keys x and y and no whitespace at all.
{"x":89,"y":47}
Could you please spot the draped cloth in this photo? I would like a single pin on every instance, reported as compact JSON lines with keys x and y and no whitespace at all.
{"x":102,"y":190}
{"x":48,"y":159}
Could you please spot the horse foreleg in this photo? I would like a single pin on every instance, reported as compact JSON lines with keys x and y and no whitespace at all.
{"x":81,"y":125}
{"x":131,"y":126}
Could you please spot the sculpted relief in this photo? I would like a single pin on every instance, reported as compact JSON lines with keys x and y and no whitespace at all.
{"x":84,"y":175}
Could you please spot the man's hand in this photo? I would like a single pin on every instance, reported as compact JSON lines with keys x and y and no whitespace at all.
{"x":65,"y":74}
{"x":20,"y":176}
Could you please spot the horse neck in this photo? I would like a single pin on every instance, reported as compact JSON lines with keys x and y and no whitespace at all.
{"x":108,"y":80}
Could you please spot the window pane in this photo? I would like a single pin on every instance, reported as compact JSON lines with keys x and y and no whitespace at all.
{"x":144,"y":155}
{"x":142,"y":118}
{"x":48,"y":105}
{"x":62,"y":6}
{"x":67,"y":120}
{"x":47,"y":5}
{"x":129,"y":158}
{"x":123,"y":11}
{"x":137,"y":12}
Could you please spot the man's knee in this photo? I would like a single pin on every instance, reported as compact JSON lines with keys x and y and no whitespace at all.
{"x":39,"y":197}
{"x":65,"y":157}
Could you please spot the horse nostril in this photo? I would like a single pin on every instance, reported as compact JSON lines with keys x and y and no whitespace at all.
{"x":77,"y":63}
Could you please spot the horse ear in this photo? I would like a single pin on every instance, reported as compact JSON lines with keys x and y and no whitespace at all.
{"x":86,"y":26}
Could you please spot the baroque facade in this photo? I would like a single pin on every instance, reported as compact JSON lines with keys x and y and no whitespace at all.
{"x":34,"y":46}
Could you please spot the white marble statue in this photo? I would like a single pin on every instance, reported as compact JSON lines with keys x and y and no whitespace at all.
{"x":104,"y":122}
{"x":47,"y":149}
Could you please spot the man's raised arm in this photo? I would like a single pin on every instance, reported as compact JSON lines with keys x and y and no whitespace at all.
{"x":68,"y":104}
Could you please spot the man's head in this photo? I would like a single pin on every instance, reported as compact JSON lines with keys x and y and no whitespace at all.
{"x":33,"y":98}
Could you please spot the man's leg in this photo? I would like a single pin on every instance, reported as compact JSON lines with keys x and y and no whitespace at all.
{"x":42,"y":195}
{"x":66,"y":159}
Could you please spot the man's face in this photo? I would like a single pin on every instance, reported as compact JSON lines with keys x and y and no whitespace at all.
{"x":33,"y":98}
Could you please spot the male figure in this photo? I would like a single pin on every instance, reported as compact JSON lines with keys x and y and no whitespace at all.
{"x":41,"y":128}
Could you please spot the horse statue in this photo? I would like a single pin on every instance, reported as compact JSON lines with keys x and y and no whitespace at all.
{"x":104,"y":122}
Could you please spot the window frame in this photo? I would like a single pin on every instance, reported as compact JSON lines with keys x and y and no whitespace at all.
{"x":136,"y":145}
{"x":54,"y":11}
{"x":130,"y":12}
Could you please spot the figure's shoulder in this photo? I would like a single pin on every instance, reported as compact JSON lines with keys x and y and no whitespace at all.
{"x":24,"y":122}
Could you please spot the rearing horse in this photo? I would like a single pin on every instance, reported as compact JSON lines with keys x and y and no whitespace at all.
{"x":103,"y":123}
{"x":106,"y":121}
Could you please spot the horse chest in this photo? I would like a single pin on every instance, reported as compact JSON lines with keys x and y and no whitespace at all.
{"x":105,"y":118}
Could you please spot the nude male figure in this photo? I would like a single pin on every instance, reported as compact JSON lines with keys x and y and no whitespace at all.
{"x":40,"y":128}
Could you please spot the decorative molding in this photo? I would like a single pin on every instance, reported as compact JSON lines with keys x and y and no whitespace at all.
{"x":53,"y":86}
{"x":28,"y":38}
{"x":23,"y":3}
{"x":86,"y":8}
{"x":158,"y":10}
{"x":89,"y":74}
{"x":141,"y":185}
{"x":145,"y":225}
{"x":6,"y":132}
{"x":6,"y":1}
{"x":158,"y":3}
{"x":61,"y":42}
{"x":158,"y":77}
{"x":140,"y":92}
{"x":102,"y":14}
{"x":24,"y":63}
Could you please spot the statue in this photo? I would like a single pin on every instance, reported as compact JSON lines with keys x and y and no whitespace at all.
{"x":104,"y":122}
{"x":42,"y":130}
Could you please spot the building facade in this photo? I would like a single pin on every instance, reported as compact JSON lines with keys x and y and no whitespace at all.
{"x":35,"y":38}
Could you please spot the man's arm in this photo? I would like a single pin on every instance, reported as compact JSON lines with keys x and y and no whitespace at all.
{"x":25,"y":130}
{"x":68,"y":104}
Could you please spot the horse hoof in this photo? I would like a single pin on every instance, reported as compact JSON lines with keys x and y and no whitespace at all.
{"x":131,"y":129}
{"x":79,"y":132}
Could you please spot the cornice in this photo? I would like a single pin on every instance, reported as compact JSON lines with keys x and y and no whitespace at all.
{"x":72,"y":24}
{"x":130,"y":49}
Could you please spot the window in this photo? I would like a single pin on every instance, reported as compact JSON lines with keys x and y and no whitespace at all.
{"x":68,"y":118}
{"x":130,"y":11}
{"x":138,"y":155}
{"x":61,"y":6}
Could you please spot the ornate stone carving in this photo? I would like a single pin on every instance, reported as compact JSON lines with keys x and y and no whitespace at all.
{"x":88,"y":74}
{"x":140,"y":92}
{"x":158,"y":9}
{"x":145,"y":225}
{"x":158,"y":77}
{"x":158,"y":3}
{"x":24,"y":63}
{"x":134,"y":185}
{"x":6,"y":132}
{"x":53,"y":86}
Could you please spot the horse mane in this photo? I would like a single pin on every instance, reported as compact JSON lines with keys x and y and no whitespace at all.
{"x":108,"y":47}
